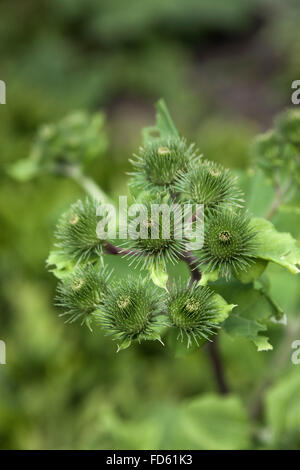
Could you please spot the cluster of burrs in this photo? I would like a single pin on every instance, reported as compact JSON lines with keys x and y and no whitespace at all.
{"x":169,"y":171}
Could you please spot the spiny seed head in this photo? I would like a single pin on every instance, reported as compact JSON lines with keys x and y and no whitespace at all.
{"x":130,"y":311}
{"x":210,"y":184}
{"x":272,"y":150}
{"x":82,"y":292}
{"x":76,"y":231}
{"x":288,"y":124}
{"x":156,"y":235}
{"x":228,"y":242}
{"x":193,"y":311}
{"x":158,"y":164}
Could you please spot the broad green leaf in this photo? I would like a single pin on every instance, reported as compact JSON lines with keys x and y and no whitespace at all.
{"x":254,"y":272}
{"x":164,"y":127}
{"x":259,"y":193}
{"x":24,"y":170}
{"x":159,"y":275}
{"x":250,"y":317}
{"x":262,"y":343}
{"x":206,"y":422}
{"x":279,"y":247}
{"x":237,"y":326}
{"x":59,"y":264}
{"x":263,"y":287}
{"x":283,"y":408}
{"x":214,"y":422}
{"x":223,"y":307}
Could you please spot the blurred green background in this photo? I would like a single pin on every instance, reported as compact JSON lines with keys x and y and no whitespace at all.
{"x":225,"y":69}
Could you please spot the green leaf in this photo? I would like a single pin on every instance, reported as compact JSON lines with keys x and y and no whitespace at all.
{"x":251,"y":314}
{"x":263,"y":287}
{"x":213,"y":422}
{"x":24,"y":170}
{"x":278,"y":247}
{"x":77,"y":139}
{"x":283,"y":408}
{"x":224,"y":308}
{"x":209,"y":276}
{"x":205,"y":422}
{"x":59,"y":264}
{"x":159,"y":275}
{"x":262,"y":343}
{"x":164,"y":127}
{"x":237,"y":326}
{"x":254,"y":272}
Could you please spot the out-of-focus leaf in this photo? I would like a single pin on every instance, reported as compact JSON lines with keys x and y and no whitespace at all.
{"x":77,"y":139}
{"x":164,"y":127}
{"x":24,"y":170}
{"x":178,"y":346}
{"x":213,"y":422}
{"x":283,"y":407}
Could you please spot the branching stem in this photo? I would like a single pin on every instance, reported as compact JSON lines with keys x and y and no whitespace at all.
{"x":192,"y":263}
{"x":111,"y":249}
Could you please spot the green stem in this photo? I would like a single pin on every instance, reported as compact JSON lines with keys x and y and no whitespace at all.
{"x":280,"y":194}
{"x":86,"y":183}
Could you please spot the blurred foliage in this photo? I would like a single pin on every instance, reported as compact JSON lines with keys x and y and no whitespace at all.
{"x":76,"y":140}
{"x":224,"y":69}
